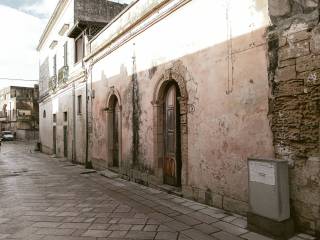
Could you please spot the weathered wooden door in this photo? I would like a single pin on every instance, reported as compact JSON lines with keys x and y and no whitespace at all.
{"x":171,"y":167}
{"x":116,"y":134}
{"x":65,"y":141}
{"x":54,"y":147}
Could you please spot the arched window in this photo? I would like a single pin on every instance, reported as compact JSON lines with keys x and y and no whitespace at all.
{"x":44,"y":114}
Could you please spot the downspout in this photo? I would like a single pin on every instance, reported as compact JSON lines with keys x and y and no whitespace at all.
{"x":38,"y":102}
{"x":88,"y":164}
{"x":74,"y":150}
{"x":74,"y":122}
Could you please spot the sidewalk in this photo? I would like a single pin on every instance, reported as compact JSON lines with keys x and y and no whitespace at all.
{"x":44,"y":198}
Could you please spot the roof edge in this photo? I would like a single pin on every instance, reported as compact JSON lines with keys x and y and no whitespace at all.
{"x":56,"y":13}
{"x":115,"y":18}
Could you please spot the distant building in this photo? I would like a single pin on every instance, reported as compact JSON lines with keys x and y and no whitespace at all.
{"x":62,"y":48}
{"x":19,"y":111}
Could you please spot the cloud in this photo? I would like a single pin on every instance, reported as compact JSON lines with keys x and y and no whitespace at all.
{"x":23,"y":27}
{"x":19,"y":58}
{"x":41,"y":9}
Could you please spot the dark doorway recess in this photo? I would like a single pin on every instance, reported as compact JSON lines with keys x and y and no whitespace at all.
{"x":172,"y":164}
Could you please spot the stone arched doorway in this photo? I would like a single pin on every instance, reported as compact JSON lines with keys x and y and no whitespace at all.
{"x":170,"y":129}
{"x":114,"y":129}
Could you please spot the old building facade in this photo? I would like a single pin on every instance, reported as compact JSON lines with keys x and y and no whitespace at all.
{"x":188,"y":108}
{"x":62,"y":47}
{"x":19,"y":111}
{"x":183,"y":92}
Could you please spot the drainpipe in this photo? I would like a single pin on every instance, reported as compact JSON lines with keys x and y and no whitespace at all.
{"x":87,"y":123}
{"x":88,"y":163}
{"x":74,"y":158}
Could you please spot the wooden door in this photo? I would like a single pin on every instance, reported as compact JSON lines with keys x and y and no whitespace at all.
{"x":116,"y":134}
{"x":170,"y":168}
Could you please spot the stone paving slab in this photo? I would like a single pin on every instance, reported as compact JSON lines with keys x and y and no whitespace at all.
{"x":44,"y":198}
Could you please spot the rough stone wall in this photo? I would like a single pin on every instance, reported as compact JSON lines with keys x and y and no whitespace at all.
{"x":294,"y":77}
{"x":97,"y":10}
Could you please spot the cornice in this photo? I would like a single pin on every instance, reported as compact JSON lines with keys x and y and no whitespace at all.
{"x":78,"y":77}
{"x":53,"y":19}
{"x":145,"y":21}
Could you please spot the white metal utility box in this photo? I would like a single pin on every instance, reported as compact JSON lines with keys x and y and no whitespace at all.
{"x":269,"y":199}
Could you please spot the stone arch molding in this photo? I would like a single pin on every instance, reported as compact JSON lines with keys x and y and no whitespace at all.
{"x":165,"y":79}
{"x":176,"y":74}
{"x":113,"y":92}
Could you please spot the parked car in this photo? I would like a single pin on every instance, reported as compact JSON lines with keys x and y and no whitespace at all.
{"x":7,"y":136}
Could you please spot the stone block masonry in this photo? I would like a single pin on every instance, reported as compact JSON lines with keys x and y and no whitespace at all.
{"x":294,"y":104}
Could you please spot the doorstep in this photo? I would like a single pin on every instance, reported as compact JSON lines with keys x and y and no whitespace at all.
{"x":109,"y":173}
{"x":169,"y":189}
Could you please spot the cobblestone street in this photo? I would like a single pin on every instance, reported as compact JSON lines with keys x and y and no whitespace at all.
{"x":47,"y":198}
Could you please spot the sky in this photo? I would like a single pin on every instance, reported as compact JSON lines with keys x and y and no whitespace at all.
{"x":22,"y":23}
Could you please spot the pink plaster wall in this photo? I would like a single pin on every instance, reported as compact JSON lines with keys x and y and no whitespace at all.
{"x":226,"y":125}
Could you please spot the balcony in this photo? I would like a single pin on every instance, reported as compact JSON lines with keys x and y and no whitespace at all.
{"x":63,"y":75}
{"x":3,"y":116}
{"x":53,"y":83}
{"x":24,"y":118}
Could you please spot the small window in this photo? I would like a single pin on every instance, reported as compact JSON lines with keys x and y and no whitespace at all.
{"x":79,"y":104}
{"x":65,"y":55}
{"x":54,"y":118}
{"x":55,"y":65}
{"x":79,"y":49}
{"x":44,"y":114}
{"x":65,"y":116}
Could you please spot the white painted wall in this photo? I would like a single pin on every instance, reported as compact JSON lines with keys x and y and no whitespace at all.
{"x":66,"y":17}
{"x":62,"y":100}
{"x":222,"y":46}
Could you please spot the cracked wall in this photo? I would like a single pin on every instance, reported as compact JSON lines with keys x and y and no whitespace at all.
{"x":223,"y":69}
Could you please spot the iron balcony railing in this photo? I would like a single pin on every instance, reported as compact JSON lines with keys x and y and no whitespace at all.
{"x":53,"y":83}
{"x":63,"y":75}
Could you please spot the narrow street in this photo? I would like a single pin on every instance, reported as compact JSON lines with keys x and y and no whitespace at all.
{"x":46,"y":198}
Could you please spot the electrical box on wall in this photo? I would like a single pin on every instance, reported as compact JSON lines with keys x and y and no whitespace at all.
{"x":269,"y":197}
{"x":269,"y":188}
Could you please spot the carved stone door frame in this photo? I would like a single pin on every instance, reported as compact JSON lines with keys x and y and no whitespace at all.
{"x":113,"y":101}
{"x":166,"y":79}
